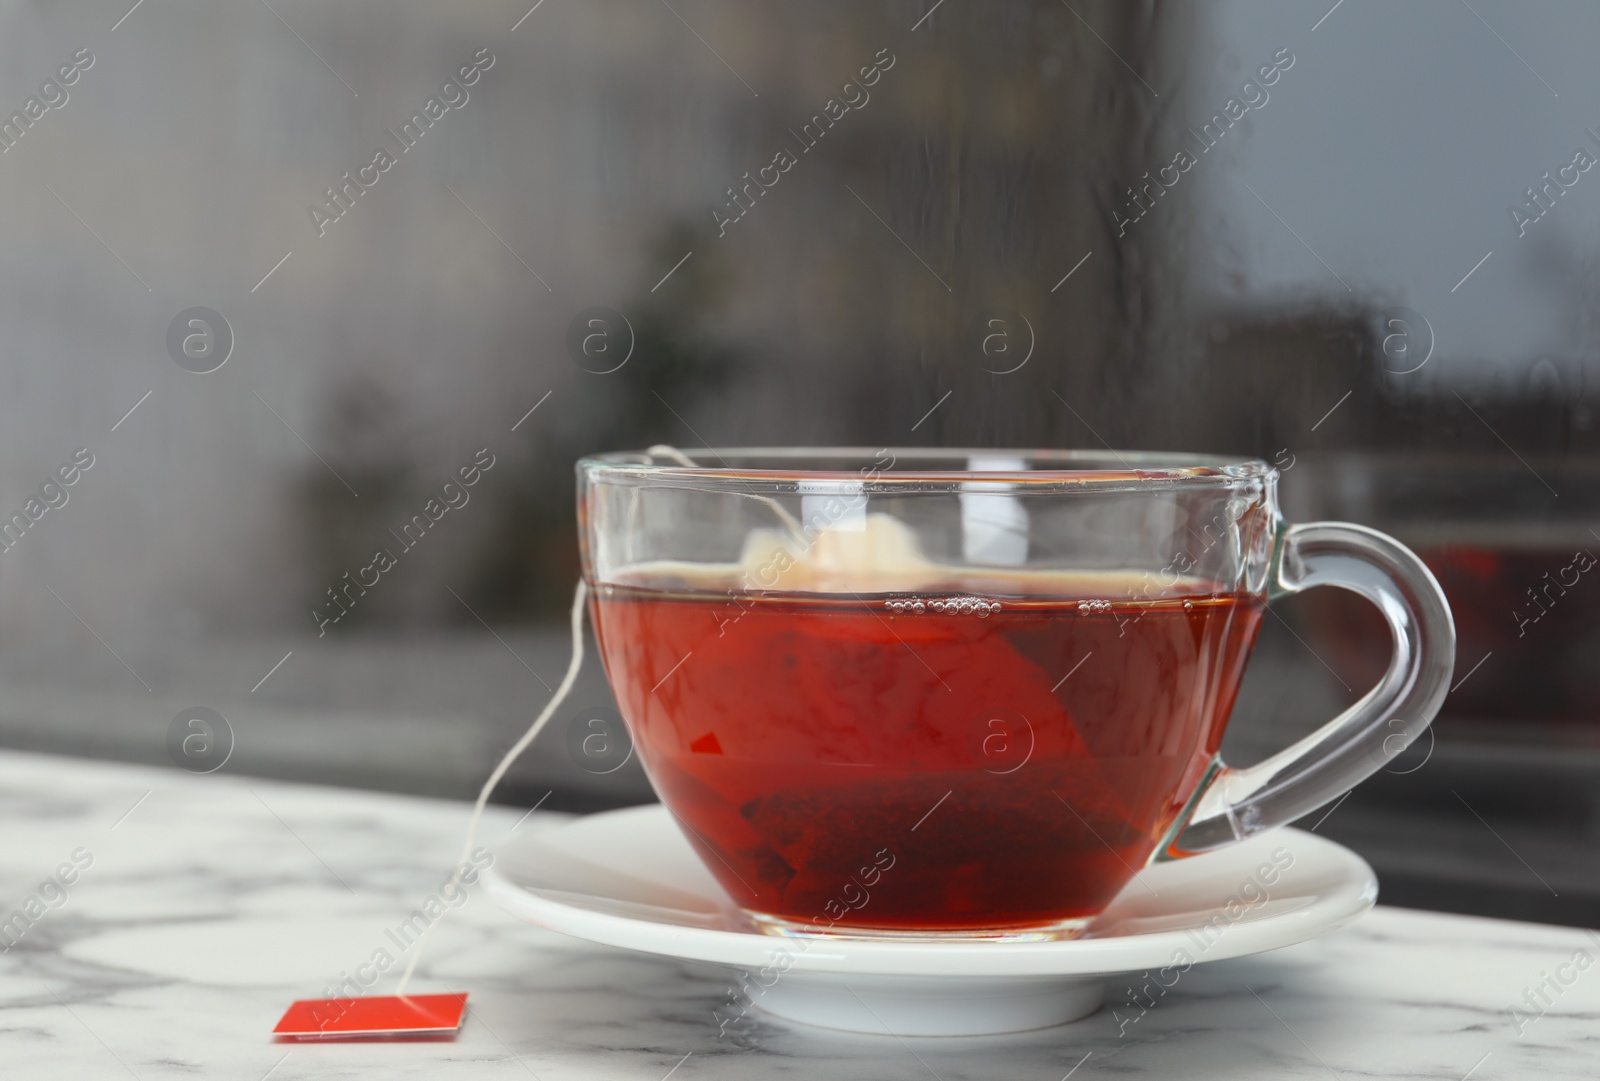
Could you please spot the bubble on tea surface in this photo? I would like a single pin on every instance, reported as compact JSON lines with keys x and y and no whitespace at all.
{"x":964,"y":606}
{"x":961,"y":606}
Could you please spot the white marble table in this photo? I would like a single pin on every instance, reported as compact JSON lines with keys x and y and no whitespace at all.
{"x":216,"y":900}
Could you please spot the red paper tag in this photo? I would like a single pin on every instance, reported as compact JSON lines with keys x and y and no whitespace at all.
{"x":380,"y":1015}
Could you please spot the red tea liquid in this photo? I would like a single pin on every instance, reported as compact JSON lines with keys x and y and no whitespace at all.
{"x":856,"y":762}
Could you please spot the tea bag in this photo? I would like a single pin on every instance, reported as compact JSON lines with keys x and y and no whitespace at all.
{"x":874,"y":553}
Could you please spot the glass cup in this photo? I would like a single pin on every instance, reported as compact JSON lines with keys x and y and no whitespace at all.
{"x":969,"y":693}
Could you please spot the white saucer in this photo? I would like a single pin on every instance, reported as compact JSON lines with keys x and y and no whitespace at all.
{"x":629,"y":878}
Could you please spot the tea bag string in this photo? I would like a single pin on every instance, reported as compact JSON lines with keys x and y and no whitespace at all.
{"x":662,"y":450}
{"x":579,"y":596}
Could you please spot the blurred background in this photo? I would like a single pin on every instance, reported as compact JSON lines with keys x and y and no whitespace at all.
{"x":1359,"y":240}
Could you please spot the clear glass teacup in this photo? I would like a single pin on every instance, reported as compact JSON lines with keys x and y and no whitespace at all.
{"x":970,"y":692}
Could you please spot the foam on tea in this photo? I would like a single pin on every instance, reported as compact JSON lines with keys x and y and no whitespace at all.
{"x":855,"y":735}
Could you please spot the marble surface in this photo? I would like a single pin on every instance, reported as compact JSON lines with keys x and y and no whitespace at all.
{"x":207,"y":903}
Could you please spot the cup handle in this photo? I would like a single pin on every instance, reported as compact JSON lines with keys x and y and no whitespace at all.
{"x":1239,"y":803}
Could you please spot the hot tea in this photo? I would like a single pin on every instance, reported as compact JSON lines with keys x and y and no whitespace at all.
{"x":936,"y":761}
{"x":962,"y":694}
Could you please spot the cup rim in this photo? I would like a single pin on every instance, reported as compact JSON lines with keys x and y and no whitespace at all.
{"x":1061,"y":468}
